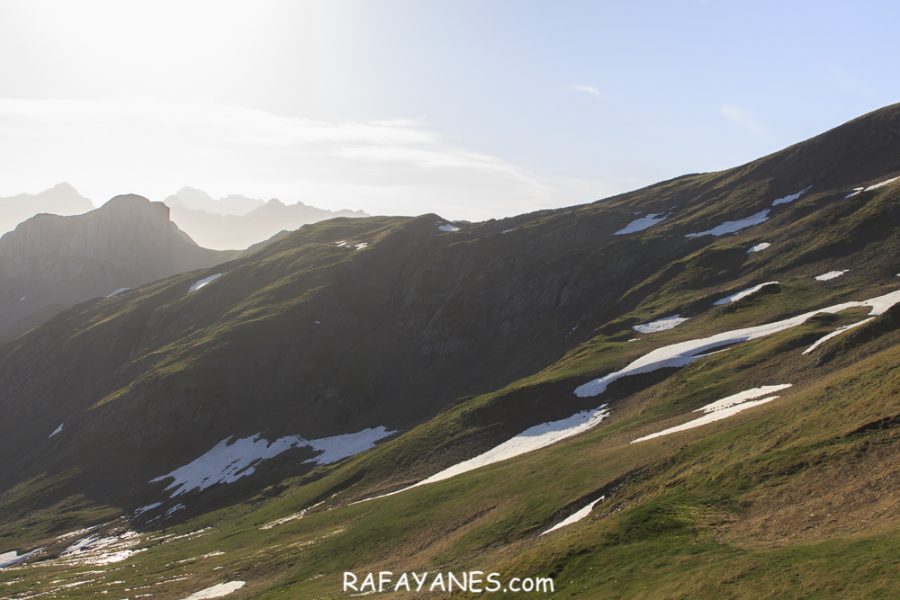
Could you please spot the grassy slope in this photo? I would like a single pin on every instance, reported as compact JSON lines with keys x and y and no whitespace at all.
{"x":792,"y":499}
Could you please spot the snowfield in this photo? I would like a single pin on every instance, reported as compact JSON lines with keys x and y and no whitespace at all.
{"x":576,"y":516}
{"x":661,"y":324}
{"x":684,"y":353}
{"x":533,"y":438}
{"x":12,"y":558}
{"x":57,"y":430}
{"x":743,"y":293}
{"x":734,"y":226}
{"x":859,"y":190}
{"x":448,"y":228}
{"x":830,"y":275}
{"x":642,"y":223}
{"x":758,"y":247}
{"x":202,"y":283}
{"x":230,"y":460}
{"x":790,"y":197}
{"x":722,"y":409}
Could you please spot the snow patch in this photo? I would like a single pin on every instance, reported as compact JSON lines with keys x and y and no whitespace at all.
{"x":576,"y":516}
{"x":684,"y":353}
{"x":660,"y":324}
{"x":643,"y":223}
{"x":202,"y":283}
{"x":117,"y":292}
{"x":734,"y":226}
{"x":448,"y":228}
{"x":230,"y":460}
{"x":830,"y":275}
{"x":858,"y":190}
{"x":836,"y":333}
{"x":742,"y":397}
{"x":289,"y":518}
{"x":361,"y":245}
{"x":95,"y":550}
{"x":57,"y":430}
{"x":758,"y":247}
{"x":743,"y":293}
{"x":722,"y":409}
{"x":146,"y":508}
{"x":12,"y":558}
{"x":533,"y":438}
{"x":217,"y":591}
{"x":790,"y":197}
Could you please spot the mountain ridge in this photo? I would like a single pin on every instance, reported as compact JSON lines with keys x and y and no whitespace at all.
{"x":463,"y":337}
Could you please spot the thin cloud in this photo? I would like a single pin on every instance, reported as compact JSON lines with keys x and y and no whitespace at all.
{"x":587,"y":89}
{"x":739,"y":116}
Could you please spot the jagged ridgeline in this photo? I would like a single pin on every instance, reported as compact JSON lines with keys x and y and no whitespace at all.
{"x":690,"y":390}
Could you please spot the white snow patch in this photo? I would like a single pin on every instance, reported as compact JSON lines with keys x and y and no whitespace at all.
{"x":361,"y":245}
{"x":12,"y":558}
{"x":734,"y":226}
{"x":660,"y":324}
{"x":836,"y":333}
{"x":790,"y":197}
{"x":117,"y":292}
{"x":57,"y":430}
{"x":743,"y":293}
{"x":742,"y":397}
{"x":858,"y":190}
{"x":217,"y":591}
{"x":202,"y":283}
{"x":448,"y":228}
{"x":576,"y":516}
{"x":533,"y":438}
{"x":758,"y":247}
{"x":684,"y":353}
{"x":230,"y":460}
{"x":340,"y":243}
{"x":645,"y":222}
{"x":722,"y":409}
{"x":146,"y":508}
{"x":830,"y":275}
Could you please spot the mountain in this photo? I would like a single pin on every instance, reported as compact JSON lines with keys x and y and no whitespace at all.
{"x":689,"y":390}
{"x":239,"y":222}
{"x":51,"y":262}
{"x":61,"y":199}
{"x":193,"y":199}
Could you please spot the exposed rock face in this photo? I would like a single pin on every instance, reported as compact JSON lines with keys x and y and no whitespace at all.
{"x":51,"y":262}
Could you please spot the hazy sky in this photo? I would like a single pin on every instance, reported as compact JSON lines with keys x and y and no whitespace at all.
{"x":467,"y":108}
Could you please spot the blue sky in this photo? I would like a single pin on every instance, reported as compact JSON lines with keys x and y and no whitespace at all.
{"x":468,"y":108}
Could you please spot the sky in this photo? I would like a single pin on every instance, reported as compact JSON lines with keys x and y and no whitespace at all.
{"x":473,"y":109}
